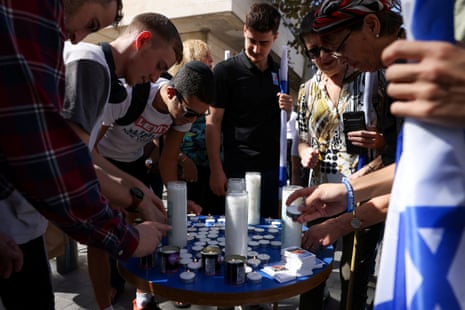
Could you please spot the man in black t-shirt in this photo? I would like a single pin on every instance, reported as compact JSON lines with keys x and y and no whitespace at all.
{"x":247,"y":111}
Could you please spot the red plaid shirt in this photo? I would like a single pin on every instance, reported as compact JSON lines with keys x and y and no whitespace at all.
{"x":39,"y":153}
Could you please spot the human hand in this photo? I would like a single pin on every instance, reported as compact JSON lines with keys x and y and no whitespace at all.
{"x":11,"y":256}
{"x":323,"y":200}
{"x":151,"y":208}
{"x":193,"y":207}
{"x":431,"y":86}
{"x":285,"y":102}
{"x":188,"y":169}
{"x":218,"y":182}
{"x":321,"y":235}
{"x":150,"y":235}
{"x":309,"y":157}
{"x":370,"y":139}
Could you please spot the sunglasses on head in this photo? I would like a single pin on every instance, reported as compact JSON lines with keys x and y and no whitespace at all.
{"x":315,"y":52}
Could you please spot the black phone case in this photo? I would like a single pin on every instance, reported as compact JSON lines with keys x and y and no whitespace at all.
{"x":354,"y":121}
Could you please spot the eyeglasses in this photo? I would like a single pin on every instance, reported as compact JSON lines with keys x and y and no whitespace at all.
{"x":188,"y":112}
{"x":337,"y":52}
{"x":315,"y":52}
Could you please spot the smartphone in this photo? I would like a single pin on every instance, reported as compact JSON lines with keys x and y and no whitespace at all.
{"x":354,"y":121}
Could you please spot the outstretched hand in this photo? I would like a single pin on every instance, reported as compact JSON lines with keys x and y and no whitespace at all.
{"x":324,"y":200}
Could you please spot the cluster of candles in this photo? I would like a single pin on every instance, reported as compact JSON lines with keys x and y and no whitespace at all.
{"x":208,"y":234}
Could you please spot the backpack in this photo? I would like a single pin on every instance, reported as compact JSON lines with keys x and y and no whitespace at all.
{"x":140,"y":95}
{"x":140,"y":92}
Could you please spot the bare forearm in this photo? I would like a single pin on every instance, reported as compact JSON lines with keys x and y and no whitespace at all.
{"x":374,"y":184}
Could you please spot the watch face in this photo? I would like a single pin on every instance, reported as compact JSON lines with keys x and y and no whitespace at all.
{"x":355,"y":223}
{"x":137,"y":193}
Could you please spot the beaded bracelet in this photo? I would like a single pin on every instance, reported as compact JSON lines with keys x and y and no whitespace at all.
{"x":350,"y":195}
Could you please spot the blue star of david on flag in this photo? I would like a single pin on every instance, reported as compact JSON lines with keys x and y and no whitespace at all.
{"x":423,"y":258}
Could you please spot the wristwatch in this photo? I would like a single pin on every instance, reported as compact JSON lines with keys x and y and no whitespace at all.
{"x":137,"y":196}
{"x":355,"y":222}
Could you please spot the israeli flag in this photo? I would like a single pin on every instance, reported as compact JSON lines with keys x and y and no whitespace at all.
{"x":423,"y":259}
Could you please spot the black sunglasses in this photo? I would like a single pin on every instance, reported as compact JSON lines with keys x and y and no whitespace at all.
{"x":337,"y":53}
{"x":315,"y":52}
{"x":189,"y":113}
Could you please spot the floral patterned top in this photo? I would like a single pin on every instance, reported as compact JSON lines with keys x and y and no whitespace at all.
{"x":320,"y":122}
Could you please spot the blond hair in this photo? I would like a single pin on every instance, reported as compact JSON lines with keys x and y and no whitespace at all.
{"x":193,"y":49}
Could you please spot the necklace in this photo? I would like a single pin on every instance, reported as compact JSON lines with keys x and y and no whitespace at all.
{"x":334,"y":87}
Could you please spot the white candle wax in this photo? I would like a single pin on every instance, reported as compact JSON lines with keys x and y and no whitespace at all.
{"x":177,"y":210}
{"x":253,"y":186}
{"x":253,"y":262}
{"x":236,"y":224}
{"x":254,"y":277}
{"x":291,"y":232}
{"x":187,"y":276}
{"x":236,"y":185}
{"x":194,"y":265}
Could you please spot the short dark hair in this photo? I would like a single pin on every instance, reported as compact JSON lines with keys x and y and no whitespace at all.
{"x":263,"y":17}
{"x":306,"y":26}
{"x":162,"y":26}
{"x":195,"y":79}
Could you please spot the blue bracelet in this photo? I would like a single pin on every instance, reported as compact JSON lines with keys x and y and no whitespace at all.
{"x":350,"y":195}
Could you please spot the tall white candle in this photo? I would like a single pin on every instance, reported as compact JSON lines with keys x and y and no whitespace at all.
{"x":236,"y":185}
{"x":291,"y":231}
{"x":177,"y":213}
{"x":236,"y":229}
{"x":253,"y":185}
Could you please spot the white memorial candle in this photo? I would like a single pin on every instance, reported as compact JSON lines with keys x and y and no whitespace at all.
{"x":177,"y":213}
{"x":252,"y":186}
{"x":291,"y":232}
{"x":236,"y":185}
{"x":236,"y":224}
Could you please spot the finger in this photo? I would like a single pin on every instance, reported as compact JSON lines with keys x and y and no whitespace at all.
{"x":403,"y":49}
{"x":297,"y":194}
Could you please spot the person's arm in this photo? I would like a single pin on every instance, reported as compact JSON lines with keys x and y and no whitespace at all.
{"x":429,"y":88}
{"x":218,"y":180}
{"x":169,"y":155}
{"x":116,"y":185}
{"x":11,"y":257}
{"x":329,"y":199}
{"x":367,"y":214}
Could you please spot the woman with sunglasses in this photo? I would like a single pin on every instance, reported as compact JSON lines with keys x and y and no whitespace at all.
{"x":335,"y":88}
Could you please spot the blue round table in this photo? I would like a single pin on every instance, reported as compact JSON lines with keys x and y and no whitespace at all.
{"x":213,"y":291}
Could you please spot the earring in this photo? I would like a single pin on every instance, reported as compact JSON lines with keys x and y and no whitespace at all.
{"x":377,"y":35}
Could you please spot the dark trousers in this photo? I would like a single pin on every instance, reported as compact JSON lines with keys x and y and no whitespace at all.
{"x":201,"y":193}
{"x":269,"y":191}
{"x":31,"y":287}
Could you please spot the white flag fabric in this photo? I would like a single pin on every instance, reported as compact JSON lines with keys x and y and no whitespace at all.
{"x":423,"y":258}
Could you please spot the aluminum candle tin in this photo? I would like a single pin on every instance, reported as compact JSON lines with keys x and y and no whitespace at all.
{"x":169,"y":259}
{"x":211,"y":259}
{"x":234,"y":269}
